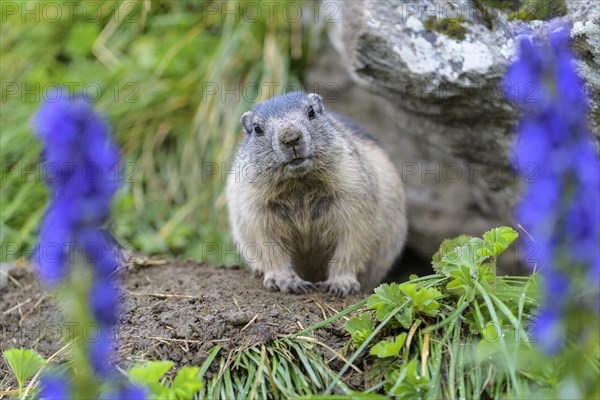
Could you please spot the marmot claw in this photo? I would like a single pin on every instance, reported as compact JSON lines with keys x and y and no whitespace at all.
{"x":289,"y":285}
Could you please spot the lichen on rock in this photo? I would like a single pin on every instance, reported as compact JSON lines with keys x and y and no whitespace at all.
{"x":541,"y":10}
{"x":451,"y":27}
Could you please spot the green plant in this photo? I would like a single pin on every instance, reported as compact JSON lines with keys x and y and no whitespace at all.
{"x":389,"y":349}
{"x":459,"y":333}
{"x":151,"y":375}
{"x":285,"y":368}
{"x":24,"y":364}
{"x":360,"y":328}
{"x":288,"y":367}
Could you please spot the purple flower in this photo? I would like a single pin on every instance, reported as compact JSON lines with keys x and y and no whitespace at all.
{"x":560,"y":206}
{"x":83,"y":158}
{"x":54,"y":387}
{"x":99,"y":249}
{"x":549,"y":330}
{"x":52,"y":252}
{"x":100,"y":352}
{"x":104,"y":300}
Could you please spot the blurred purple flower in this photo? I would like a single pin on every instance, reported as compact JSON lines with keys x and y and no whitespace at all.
{"x":52,"y":252}
{"x":560,"y":206}
{"x":104,"y":300}
{"x":550,"y":330}
{"x":101,"y":350}
{"x":84,"y":159}
{"x":53,"y":387}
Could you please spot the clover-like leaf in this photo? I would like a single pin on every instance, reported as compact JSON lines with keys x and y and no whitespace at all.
{"x":186,"y":384}
{"x":389,"y":348}
{"x":360,"y":328}
{"x":423,"y":299}
{"x":497,"y":240}
{"x":386,"y":298}
{"x":466,"y":255}
{"x":405,"y":382}
{"x":24,"y":363}
{"x":149,"y":375}
{"x":462,"y":282}
{"x":446,"y":247}
{"x":405,"y":317}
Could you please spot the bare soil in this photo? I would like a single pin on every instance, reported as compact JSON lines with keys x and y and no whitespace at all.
{"x":176,"y":310}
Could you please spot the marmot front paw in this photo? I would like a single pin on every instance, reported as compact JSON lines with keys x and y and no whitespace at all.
{"x":340,"y":287}
{"x":287,"y":283}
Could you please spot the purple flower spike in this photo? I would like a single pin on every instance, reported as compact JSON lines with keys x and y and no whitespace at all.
{"x":82,"y":160}
{"x":560,"y":206}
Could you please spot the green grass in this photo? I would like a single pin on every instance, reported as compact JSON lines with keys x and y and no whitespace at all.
{"x":286,"y":368}
{"x":154,"y":65}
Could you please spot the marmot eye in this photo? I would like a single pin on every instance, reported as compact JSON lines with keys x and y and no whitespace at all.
{"x":258,"y":130}
{"x":311,"y":113}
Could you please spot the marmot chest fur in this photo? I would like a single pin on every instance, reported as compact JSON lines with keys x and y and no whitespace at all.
{"x":314,"y":201}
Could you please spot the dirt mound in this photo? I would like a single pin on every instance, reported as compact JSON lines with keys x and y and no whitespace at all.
{"x":175,"y":311}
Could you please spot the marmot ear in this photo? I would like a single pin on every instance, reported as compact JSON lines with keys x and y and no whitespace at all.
{"x":247,"y":122}
{"x":316,"y":101}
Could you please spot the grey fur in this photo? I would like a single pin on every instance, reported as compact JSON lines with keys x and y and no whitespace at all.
{"x":315,"y":201}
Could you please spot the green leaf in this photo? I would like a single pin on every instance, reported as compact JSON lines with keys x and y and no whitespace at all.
{"x":497,"y":240}
{"x":24,"y":363}
{"x":149,"y":375}
{"x":386,"y":298}
{"x":187,"y":383}
{"x":150,"y":372}
{"x":389,"y":349}
{"x":485,"y":274}
{"x":405,"y":382}
{"x":405,"y":318}
{"x":446,"y":247}
{"x":466,"y":255}
{"x":360,"y":328}
{"x":424,"y":299}
{"x":462,"y":282}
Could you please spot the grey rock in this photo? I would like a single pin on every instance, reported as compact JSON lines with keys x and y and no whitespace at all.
{"x":435,"y":103}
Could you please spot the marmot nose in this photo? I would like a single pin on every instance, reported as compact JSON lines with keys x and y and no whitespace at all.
{"x":290,"y":137}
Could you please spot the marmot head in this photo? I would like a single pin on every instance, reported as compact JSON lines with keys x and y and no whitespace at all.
{"x":287,"y":135}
